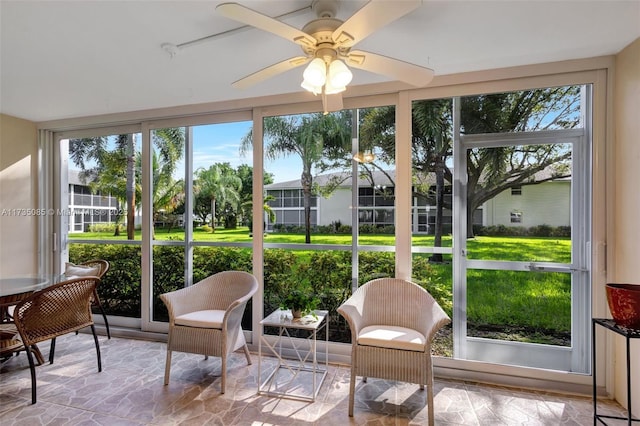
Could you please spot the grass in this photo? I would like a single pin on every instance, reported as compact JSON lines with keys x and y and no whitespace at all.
{"x":241,"y":235}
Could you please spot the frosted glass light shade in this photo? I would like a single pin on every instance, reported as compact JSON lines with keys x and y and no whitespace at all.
{"x":316,"y":73}
{"x":311,"y":88}
{"x":339,"y":74}
{"x":364,"y":157}
{"x":330,"y":89}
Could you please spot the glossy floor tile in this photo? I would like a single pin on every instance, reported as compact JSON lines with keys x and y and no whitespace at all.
{"x":130,"y":391}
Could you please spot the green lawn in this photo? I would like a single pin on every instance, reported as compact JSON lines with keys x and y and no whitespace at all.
{"x":490,"y":248}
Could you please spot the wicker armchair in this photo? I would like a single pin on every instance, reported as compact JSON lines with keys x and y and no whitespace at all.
{"x":57,"y":310}
{"x":95,"y":267}
{"x":392,"y":322}
{"x":205,"y":318}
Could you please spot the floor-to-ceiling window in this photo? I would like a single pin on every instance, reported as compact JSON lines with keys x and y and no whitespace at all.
{"x":100,"y":213}
{"x":206,"y":226}
{"x":499,"y":251}
{"x":329,"y":221}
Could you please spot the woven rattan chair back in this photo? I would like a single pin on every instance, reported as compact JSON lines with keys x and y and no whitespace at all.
{"x":55,"y":311}
{"x":104,"y":267}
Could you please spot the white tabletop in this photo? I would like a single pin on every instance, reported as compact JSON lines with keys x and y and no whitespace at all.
{"x":283,"y":318}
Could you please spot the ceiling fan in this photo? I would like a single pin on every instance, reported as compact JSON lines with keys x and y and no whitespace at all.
{"x":327,"y":45}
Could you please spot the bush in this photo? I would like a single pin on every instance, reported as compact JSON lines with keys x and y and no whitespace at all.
{"x":541,"y":231}
{"x":119,"y":290}
{"x":328,"y":273}
{"x":521,"y":231}
{"x":103,"y":227}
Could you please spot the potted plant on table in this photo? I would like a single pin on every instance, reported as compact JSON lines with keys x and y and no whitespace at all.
{"x":301,"y":302}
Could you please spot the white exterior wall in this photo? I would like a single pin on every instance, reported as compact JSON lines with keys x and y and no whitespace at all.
{"x":336,"y":207}
{"x":548,"y":203}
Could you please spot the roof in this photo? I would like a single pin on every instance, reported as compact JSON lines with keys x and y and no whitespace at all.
{"x":384,"y":178}
{"x":75,"y":179}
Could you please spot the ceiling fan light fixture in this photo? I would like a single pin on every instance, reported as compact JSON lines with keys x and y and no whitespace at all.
{"x":316,"y":90}
{"x":316,"y":73}
{"x":330,"y":89}
{"x":339,"y":74}
{"x":364,"y":157}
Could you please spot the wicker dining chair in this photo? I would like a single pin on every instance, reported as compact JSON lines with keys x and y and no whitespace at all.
{"x":393,"y":322}
{"x":10,"y":342}
{"x":55,"y":311}
{"x":94,"y":267}
{"x":205,"y":318}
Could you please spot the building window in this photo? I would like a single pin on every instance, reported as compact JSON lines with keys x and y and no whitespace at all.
{"x":516,"y":190}
{"x":516,"y":217}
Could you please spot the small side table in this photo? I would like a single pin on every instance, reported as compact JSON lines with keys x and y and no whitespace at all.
{"x":628,"y":335}
{"x":283,"y":320}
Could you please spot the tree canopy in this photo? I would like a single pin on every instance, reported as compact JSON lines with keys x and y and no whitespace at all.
{"x":308,"y":136}
{"x":490,"y":170}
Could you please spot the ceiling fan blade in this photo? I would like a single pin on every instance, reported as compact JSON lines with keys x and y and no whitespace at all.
{"x":371,"y":17}
{"x":270,"y":71}
{"x":248,"y":16}
{"x":413,"y":74}
{"x":332,"y":103}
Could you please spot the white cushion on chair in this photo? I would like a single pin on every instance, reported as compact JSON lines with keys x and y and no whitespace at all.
{"x":72,"y":271}
{"x":203,"y":319}
{"x":389,"y":336}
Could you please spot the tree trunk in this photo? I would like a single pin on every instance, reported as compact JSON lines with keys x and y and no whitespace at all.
{"x":306,"y":192}
{"x":470,"y":210}
{"x":213,"y":215}
{"x":116,"y":232}
{"x":131,"y":189}
{"x":437,"y":257}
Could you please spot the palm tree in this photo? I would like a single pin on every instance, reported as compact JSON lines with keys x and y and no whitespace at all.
{"x":248,"y":207}
{"x":304,"y":136}
{"x":432,"y":120}
{"x":167,"y":193}
{"x":112,"y":169}
{"x":216,"y":185}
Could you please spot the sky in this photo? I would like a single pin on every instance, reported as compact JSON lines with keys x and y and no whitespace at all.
{"x":220,"y":143}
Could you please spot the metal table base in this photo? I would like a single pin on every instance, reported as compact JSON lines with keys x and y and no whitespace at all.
{"x":627,"y":334}
{"x":284,"y":380}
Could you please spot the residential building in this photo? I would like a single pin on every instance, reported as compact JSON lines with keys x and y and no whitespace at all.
{"x":88,"y":208}
{"x":545,"y":203}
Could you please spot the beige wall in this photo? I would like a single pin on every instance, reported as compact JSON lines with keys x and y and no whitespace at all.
{"x":625,"y":238}
{"x":18,"y":194}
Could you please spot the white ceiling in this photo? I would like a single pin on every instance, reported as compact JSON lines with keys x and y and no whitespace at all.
{"x":63,"y":59}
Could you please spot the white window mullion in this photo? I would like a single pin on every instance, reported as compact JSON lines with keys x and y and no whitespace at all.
{"x":188,"y":206}
{"x":147,"y":229}
{"x":403,"y":187}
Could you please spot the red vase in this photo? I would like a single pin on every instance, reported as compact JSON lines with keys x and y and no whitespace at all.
{"x":624,"y":304}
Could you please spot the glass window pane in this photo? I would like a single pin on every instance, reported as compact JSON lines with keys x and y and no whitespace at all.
{"x":530,"y":307}
{"x":526,"y":110}
{"x":167,"y":179}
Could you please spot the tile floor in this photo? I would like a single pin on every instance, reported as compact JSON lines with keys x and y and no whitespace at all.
{"x":130,"y":391}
